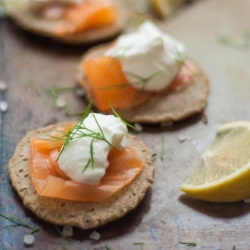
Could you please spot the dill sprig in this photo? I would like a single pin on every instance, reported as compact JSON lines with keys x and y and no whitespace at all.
{"x":53,"y":92}
{"x":154,"y":157}
{"x":31,"y":84}
{"x":142,"y":80}
{"x":3,"y":11}
{"x":139,"y":244}
{"x":120,"y":56}
{"x":61,"y":234}
{"x":95,"y":135}
{"x":179,"y":57}
{"x":118,"y":116}
{"x":243,"y":45}
{"x":20,"y":222}
{"x":64,"y":237}
{"x":108,"y":247}
{"x":139,"y":80}
{"x":68,"y":111}
{"x":79,"y":130}
{"x":162,"y":147}
{"x":190,"y":244}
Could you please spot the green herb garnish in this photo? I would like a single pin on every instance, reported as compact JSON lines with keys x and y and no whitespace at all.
{"x":154,"y":157}
{"x":190,"y":244}
{"x":243,"y":45}
{"x":139,"y":80}
{"x":20,"y":222}
{"x":144,"y":81}
{"x":118,"y":116}
{"x":162,"y":147}
{"x":3,"y":11}
{"x":53,"y":92}
{"x":118,"y":57}
{"x":68,"y":111}
{"x":108,"y":247}
{"x":139,"y":244}
{"x":61,"y":234}
{"x":64,"y":238}
{"x":79,"y":130}
{"x":31,"y":84}
{"x":179,"y":57}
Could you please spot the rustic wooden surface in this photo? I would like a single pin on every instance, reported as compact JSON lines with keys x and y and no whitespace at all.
{"x":166,"y":216}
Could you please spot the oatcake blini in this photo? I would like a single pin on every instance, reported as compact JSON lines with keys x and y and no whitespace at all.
{"x":27,"y":14}
{"x":173,"y":106}
{"x":81,"y":214}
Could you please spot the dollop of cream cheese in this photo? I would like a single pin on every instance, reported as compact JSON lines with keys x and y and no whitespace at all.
{"x":148,"y":54}
{"x":77,"y":153}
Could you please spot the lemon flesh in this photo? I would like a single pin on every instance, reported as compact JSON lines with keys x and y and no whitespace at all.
{"x":223,"y":171}
{"x":160,"y":7}
{"x":164,"y":8}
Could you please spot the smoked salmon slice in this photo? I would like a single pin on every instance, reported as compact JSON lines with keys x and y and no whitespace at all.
{"x":182,"y":79}
{"x":48,"y":181}
{"x":108,"y":83}
{"x":86,"y":16}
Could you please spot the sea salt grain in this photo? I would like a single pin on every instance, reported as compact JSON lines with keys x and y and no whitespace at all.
{"x":247,"y":200}
{"x":60,"y":102}
{"x":3,"y":106}
{"x":182,"y":138}
{"x":3,"y":86}
{"x":67,"y":231}
{"x":94,"y":235}
{"x":138,"y":127}
{"x":80,"y":92}
{"x":28,"y":240}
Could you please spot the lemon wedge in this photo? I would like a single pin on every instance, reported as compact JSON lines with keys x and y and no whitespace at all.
{"x":160,"y":7}
{"x":223,"y":170}
{"x":164,"y":8}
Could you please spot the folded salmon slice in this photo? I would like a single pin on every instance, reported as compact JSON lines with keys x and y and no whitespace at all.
{"x":86,"y":16}
{"x":48,"y":181}
{"x":108,"y":83}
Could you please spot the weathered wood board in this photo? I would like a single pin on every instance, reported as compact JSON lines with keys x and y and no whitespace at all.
{"x":166,"y":216}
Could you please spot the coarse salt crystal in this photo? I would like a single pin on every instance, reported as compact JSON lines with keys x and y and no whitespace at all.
{"x":67,"y":231}
{"x":28,"y":240}
{"x":95,"y":235}
{"x":80,"y":92}
{"x":182,"y":138}
{"x":138,"y":127}
{"x":3,"y":106}
{"x":3,"y":86}
{"x":61,"y":102}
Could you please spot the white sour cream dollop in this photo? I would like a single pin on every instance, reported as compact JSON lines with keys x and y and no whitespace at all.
{"x":76,"y":154}
{"x":148,"y":53}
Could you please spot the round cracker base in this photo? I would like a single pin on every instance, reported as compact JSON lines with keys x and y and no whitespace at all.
{"x":80,"y":214}
{"x":19,"y":10}
{"x":173,"y":106}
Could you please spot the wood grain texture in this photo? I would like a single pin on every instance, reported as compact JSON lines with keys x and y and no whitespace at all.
{"x":166,"y":216}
